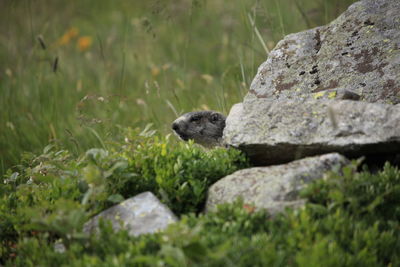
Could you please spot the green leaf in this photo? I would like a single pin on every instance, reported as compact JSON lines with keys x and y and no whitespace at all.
{"x":116,"y":198}
{"x":196,"y":251}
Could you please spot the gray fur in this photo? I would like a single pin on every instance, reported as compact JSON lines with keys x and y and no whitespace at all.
{"x":204,"y":127}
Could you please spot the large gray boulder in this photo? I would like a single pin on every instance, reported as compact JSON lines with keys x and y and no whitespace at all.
{"x":359,"y":51}
{"x":298,"y":103}
{"x":273,"y":188}
{"x":272,"y":131}
{"x":141,"y":214}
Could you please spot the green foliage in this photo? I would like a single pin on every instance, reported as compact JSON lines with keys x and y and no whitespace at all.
{"x":57,"y":192}
{"x":179,"y":175}
{"x":351,"y":218}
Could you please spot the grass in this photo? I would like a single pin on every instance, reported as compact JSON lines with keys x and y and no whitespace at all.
{"x":70,"y":73}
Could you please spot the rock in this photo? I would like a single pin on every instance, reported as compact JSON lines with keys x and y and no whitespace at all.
{"x":273,"y":188}
{"x":358,"y":52}
{"x":141,"y":214}
{"x":299,"y":102}
{"x":273,"y":131}
{"x":59,"y":247}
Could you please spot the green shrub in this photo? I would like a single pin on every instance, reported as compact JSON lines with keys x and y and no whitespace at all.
{"x":351,"y":218}
{"x":56,"y":193}
{"x":180,"y":175}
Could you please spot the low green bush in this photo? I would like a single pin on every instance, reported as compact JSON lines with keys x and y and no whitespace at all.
{"x":351,"y":218}
{"x":56,"y":192}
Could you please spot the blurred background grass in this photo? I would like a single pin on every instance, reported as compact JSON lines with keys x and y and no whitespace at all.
{"x":71,"y":72}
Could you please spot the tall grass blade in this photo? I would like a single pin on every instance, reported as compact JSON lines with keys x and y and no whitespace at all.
{"x":95,"y":133}
{"x":253,"y":25}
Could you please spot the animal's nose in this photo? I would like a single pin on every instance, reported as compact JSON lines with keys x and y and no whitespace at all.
{"x":175,"y":126}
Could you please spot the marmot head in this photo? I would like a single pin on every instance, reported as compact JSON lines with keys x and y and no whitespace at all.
{"x":204,"y":127}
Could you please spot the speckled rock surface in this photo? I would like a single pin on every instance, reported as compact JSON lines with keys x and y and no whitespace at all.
{"x":359,"y":52}
{"x":274,"y":187}
{"x":141,"y":214}
{"x":273,"y":131}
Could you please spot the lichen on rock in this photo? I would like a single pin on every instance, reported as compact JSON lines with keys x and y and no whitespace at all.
{"x":359,"y":51}
{"x":329,"y":89}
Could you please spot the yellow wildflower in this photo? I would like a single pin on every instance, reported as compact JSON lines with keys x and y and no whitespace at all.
{"x":84,"y":42}
{"x":207,"y":77}
{"x":166,"y":66}
{"x":205,"y":107}
{"x":68,"y":36}
{"x":155,"y":71}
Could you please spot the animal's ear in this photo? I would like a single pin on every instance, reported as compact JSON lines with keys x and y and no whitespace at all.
{"x":215,"y":117}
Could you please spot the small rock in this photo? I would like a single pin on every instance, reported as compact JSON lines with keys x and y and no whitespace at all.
{"x":141,"y":214}
{"x":59,"y":247}
{"x":273,"y":188}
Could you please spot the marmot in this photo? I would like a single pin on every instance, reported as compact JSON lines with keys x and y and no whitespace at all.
{"x":204,"y":127}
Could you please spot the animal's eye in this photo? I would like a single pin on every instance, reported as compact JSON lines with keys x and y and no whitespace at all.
{"x":214,"y":117}
{"x":195,"y":118}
